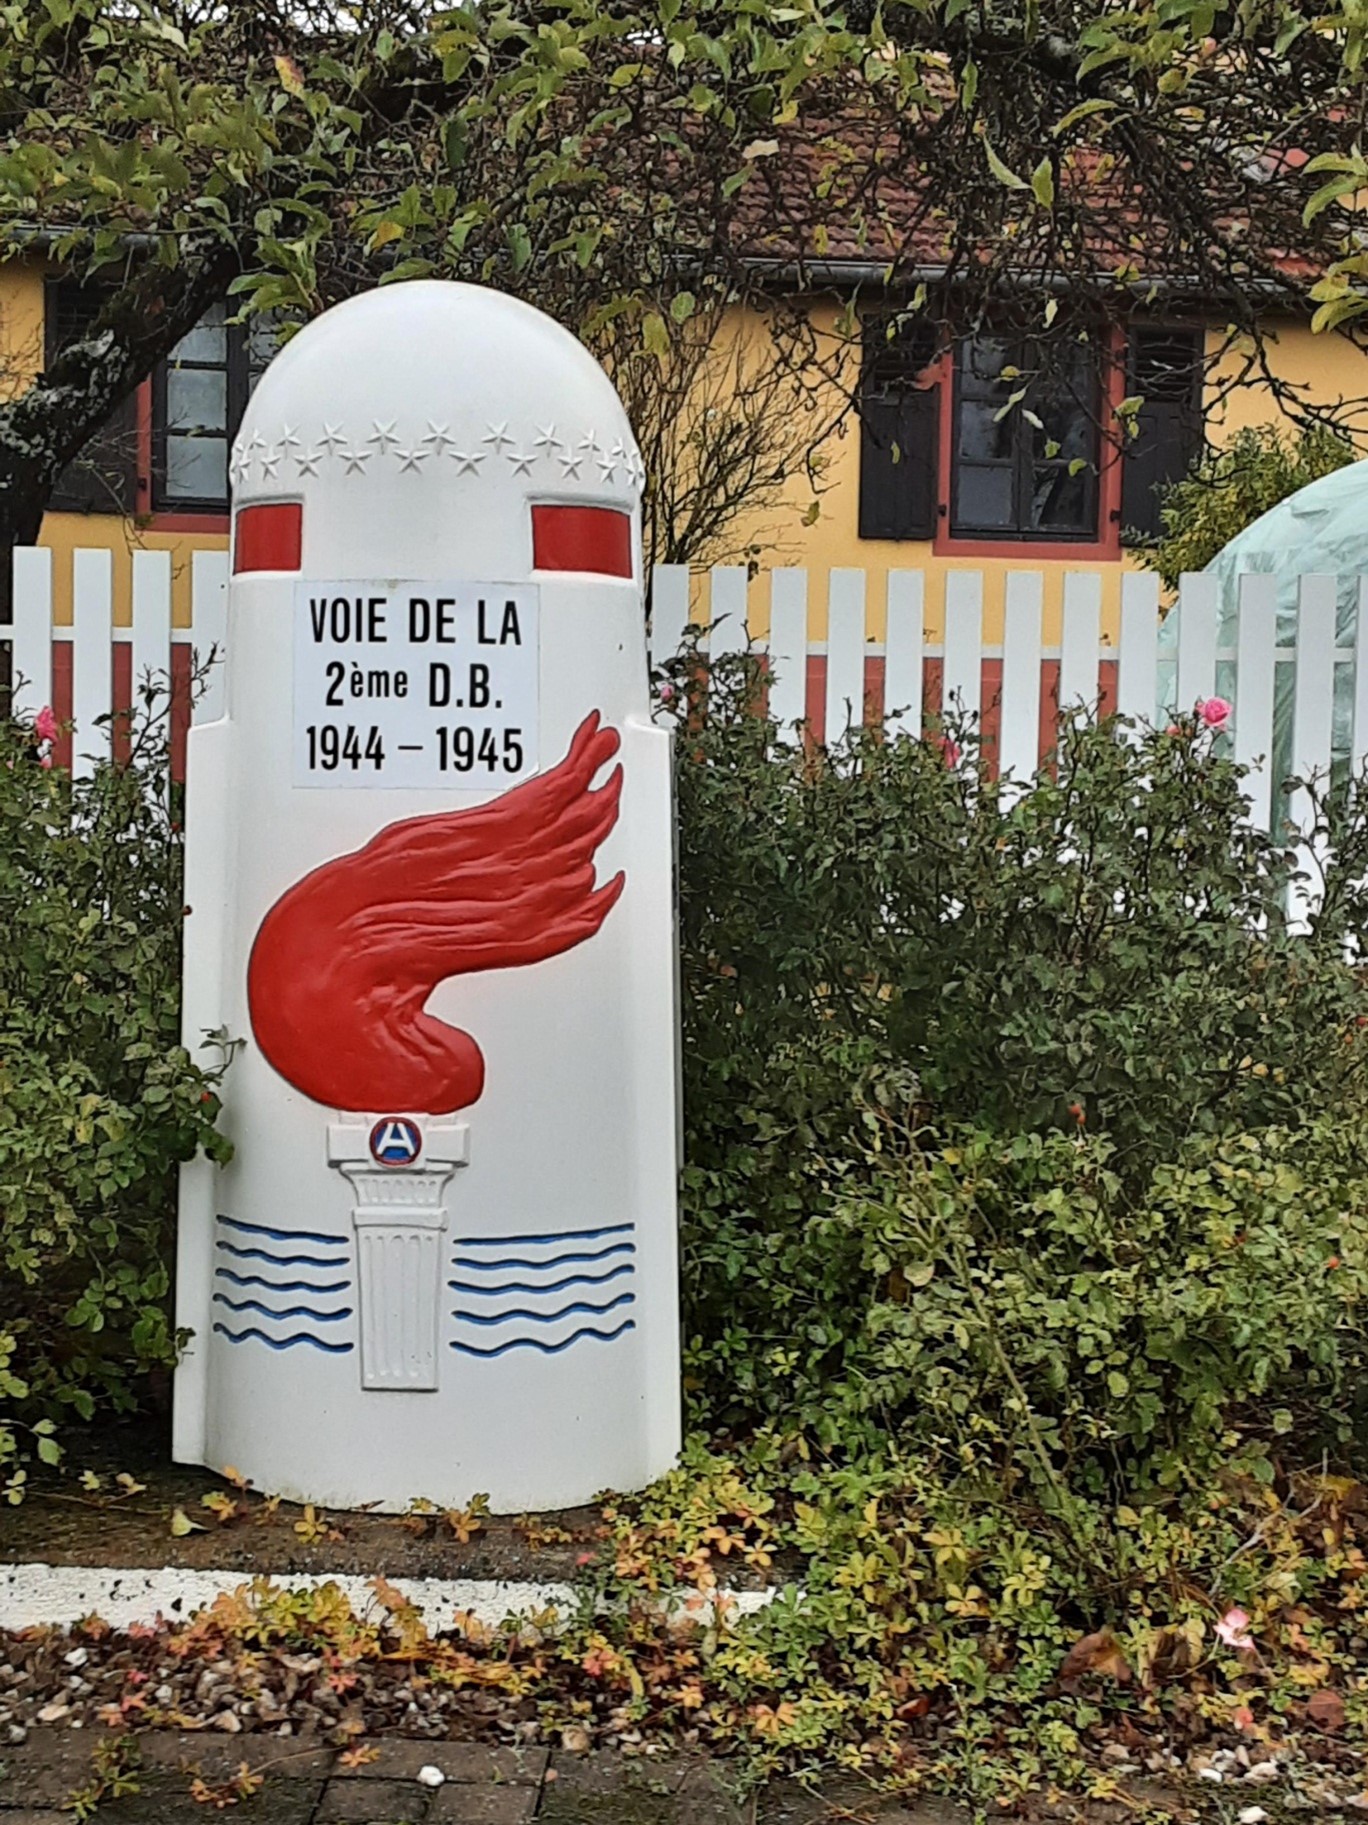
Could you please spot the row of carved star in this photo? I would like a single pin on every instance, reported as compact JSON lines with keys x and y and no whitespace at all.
{"x":336,"y":445}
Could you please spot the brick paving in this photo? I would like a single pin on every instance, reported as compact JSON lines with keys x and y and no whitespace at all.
{"x":304,"y":1784}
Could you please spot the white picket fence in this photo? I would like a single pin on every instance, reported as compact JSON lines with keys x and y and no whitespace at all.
{"x":92,"y":638}
{"x":1016,"y":688}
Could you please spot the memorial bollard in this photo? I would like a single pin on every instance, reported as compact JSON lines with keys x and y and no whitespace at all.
{"x":429,"y":879}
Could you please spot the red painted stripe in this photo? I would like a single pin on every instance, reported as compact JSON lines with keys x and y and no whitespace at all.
{"x":182,"y":680}
{"x":597,"y":539}
{"x":268,"y":537}
{"x":61,"y":701}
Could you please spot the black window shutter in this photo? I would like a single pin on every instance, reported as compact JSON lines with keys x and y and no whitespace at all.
{"x":899,"y":451}
{"x":104,"y":477}
{"x":1166,"y":370}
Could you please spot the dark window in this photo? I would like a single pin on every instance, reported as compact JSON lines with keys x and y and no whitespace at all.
{"x":1166,"y":374}
{"x":899,"y":433}
{"x":1024,"y":456}
{"x":104,"y":477}
{"x":198,"y":397}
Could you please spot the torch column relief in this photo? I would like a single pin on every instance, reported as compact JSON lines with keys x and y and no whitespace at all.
{"x":398,"y":1170}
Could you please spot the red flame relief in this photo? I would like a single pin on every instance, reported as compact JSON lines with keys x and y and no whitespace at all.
{"x":345,"y":960}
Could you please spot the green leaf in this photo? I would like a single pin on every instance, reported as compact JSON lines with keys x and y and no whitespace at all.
{"x":1001,"y":171}
{"x":1042,"y":183}
{"x":655,"y":336}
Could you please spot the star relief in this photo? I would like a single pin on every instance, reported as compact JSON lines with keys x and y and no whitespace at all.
{"x":383,"y":435}
{"x":522,"y":461}
{"x":356,"y":460}
{"x":412,"y":459}
{"x":242,"y":466}
{"x":467,"y":463}
{"x":498,"y":436}
{"x":607,"y":467}
{"x":288,"y":438}
{"x":570,"y":464}
{"x":270,"y":462}
{"x":440,"y":436}
{"x":307,"y":461}
{"x":546,"y":439}
{"x":333,"y":437}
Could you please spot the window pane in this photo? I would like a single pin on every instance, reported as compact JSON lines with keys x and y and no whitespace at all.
{"x":263,"y":339}
{"x":1060,"y":501}
{"x":197,"y":468}
{"x":982,"y":434}
{"x":196,"y":399}
{"x":1064,"y":399}
{"x":981,"y":365}
{"x":1067,"y":424}
{"x":208,"y":341}
{"x":984,"y":499}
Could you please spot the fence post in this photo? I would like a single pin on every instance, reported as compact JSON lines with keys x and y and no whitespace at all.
{"x":1019,"y":727}
{"x":1080,"y":643}
{"x":962,"y":687}
{"x":904,"y":659}
{"x":1137,"y":689}
{"x":1255,"y":670}
{"x":788,"y":642}
{"x":209,"y":628}
{"x":31,"y":631}
{"x":92,"y":659}
{"x":151,"y":656}
{"x":1312,"y":713}
{"x":845,"y":654}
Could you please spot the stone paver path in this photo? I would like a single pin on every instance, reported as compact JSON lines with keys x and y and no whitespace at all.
{"x":307,"y":1785}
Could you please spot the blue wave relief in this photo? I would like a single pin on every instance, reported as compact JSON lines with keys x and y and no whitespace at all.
{"x":547,"y":1349}
{"x":274,"y":1255}
{"x":290,"y":1311}
{"x":493,"y":1267}
{"x":489,"y":1291}
{"x":552,"y":1235}
{"x":283,"y":1343}
{"x":283,"y":1235}
{"x":580,"y":1305}
{"x":283,"y":1286}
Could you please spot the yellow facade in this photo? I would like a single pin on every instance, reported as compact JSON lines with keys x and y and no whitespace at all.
{"x":1328,"y":369}
{"x":21,"y":356}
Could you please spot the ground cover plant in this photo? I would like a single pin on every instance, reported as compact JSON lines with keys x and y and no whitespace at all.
{"x":1024,"y":1274}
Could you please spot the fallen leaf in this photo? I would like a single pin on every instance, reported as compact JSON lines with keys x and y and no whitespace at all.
{"x":1326,"y":1709}
{"x":181,"y":1524}
{"x":1099,"y":1655}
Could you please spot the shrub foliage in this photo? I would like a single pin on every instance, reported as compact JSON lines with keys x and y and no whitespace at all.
{"x":98,"y":1100}
{"x":1021,"y":1129}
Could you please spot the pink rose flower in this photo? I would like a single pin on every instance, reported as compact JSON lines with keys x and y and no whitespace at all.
{"x":45,"y":724}
{"x":1233,"y":1630}
{"x":666,"y":692}
{"x":950,"y":752}
{"x":45,"y":761}
{"x":1215,"y":713}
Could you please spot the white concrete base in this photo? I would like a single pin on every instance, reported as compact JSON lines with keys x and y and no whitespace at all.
{"x":35,"y":1595}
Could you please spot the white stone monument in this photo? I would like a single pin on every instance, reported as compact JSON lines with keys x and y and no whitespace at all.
{"x":429,"y":872}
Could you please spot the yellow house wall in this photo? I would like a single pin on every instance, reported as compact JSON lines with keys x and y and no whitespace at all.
{"x":21,"y":356}
{"x":1327,"y":369}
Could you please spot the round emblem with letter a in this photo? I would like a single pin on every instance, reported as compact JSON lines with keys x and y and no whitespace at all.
{"x":395,"y":1141}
